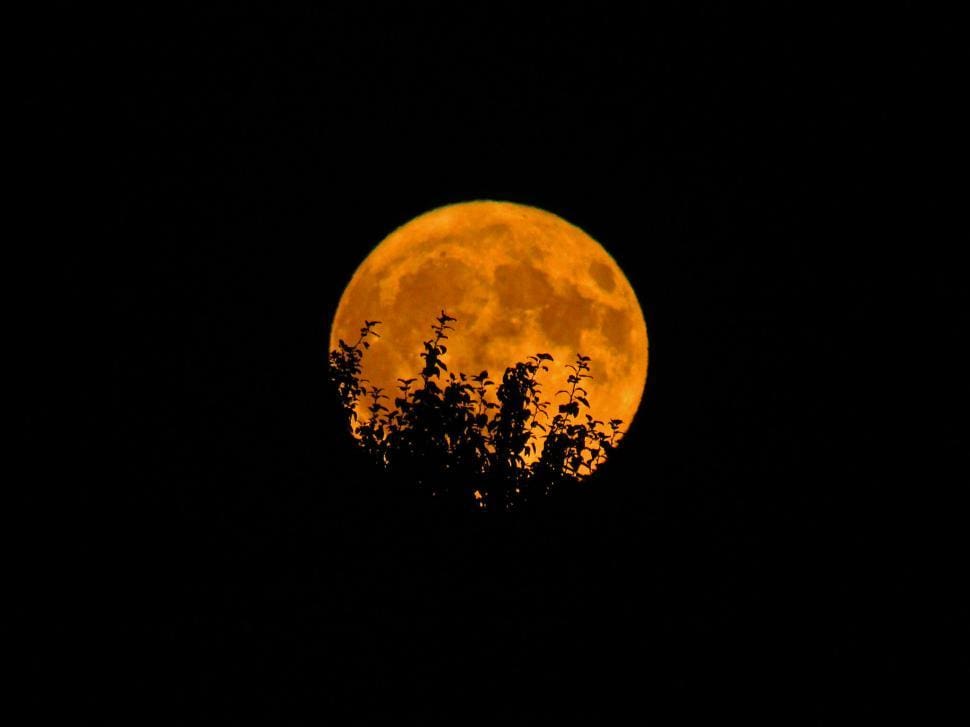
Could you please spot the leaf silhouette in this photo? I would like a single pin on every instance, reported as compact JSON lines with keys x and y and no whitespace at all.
{"x":479,"y":445}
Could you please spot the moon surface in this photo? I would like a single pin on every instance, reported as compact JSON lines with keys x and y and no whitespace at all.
{"x":520,"y":281}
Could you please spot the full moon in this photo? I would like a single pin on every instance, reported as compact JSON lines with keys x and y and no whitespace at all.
{"x":520,"y":281}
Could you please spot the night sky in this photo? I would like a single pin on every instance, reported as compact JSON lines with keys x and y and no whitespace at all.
{"x":207,"y":543}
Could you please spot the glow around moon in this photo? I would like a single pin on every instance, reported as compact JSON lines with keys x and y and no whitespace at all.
{"x":520,"y":281}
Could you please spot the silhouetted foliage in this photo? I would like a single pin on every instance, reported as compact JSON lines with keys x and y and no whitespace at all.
{"x":463,"y":438}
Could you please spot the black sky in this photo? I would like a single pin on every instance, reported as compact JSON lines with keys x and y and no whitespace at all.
{"x":206,"y":183}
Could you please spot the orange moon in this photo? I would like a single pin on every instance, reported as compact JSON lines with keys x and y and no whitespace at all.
{"x":520,"y":281}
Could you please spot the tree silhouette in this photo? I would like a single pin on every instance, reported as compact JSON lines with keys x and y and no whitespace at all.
{"x":464,"y":439}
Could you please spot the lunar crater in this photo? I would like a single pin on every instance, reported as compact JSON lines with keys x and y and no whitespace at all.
{"x":602,"y":275}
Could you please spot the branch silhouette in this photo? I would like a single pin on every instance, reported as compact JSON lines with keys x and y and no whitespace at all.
{"x":449,"y":435}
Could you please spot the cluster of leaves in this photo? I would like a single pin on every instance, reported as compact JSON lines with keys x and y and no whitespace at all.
{"x":464,"y":438}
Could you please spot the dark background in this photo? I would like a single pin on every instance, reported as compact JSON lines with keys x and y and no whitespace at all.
{"x":206,"y":543}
